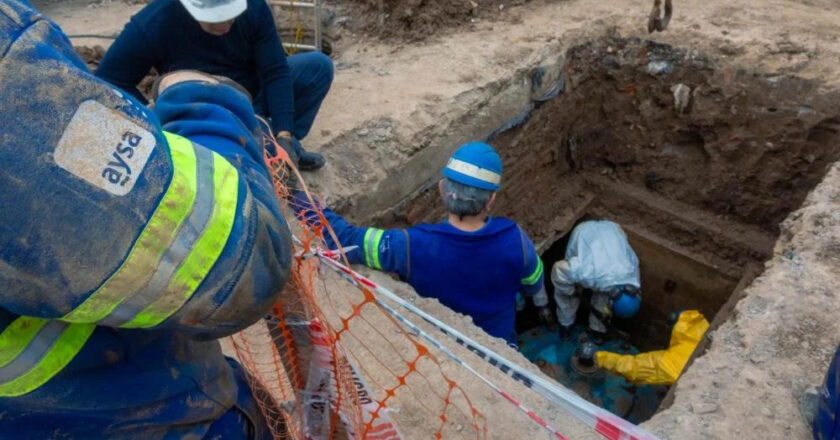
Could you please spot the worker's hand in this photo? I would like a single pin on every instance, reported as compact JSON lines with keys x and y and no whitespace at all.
{"x":545,"y":316}
{"x":305,"y":209}
{"x":290,"y":144}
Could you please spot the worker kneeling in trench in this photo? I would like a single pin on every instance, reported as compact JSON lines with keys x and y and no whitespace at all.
{"x":472,"y":262}
{"x":599,"y":259}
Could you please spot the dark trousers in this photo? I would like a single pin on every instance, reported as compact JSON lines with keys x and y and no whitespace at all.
{"x":312,"y":75}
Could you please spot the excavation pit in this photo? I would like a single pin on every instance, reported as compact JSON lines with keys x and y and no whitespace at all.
{"x":698,"y":162}
{"x":672,"y":281}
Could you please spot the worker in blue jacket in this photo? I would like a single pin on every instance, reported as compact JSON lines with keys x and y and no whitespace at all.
{"x":232,"y":38}
{"x":473,"y":263}
{"x":129,"y":242}
{"x":826,"y":423}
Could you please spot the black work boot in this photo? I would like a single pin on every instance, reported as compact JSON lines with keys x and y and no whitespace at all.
{"x":305,"y":160}
{"x":309,"y":161}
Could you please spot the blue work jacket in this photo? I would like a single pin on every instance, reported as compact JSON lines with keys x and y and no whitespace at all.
{"x":826,"y":423}
{"x":476,"y":273}
{"x":130,"y":240}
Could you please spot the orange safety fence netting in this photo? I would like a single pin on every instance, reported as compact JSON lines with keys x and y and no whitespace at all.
{"x":330,"y":363}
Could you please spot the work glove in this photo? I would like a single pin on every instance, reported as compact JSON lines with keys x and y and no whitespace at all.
{"x":304,"y":209}
{"x":545,"y":316}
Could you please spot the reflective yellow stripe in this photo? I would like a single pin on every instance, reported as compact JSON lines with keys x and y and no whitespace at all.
{"x":62,"y":351}
{"x":159,"y":233}
{"x":371,"y":246}
{"x":16,"y":337}
{"x":535,"y":276}
{"x":204,"y":253}
{"x":366,"y":248}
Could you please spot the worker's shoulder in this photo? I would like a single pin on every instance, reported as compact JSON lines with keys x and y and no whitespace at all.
{"x":159,"y":13}
{"x":600,"y":228}
{"x":19,"y":13}
{"x":598,"y":225}
{"x":506,"y":224}
{"x":15,"y":16}
{"x":495,"y":226}
{"x":255,"y":13}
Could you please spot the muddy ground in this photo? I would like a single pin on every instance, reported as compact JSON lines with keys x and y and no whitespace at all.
{"x":715,"y":184}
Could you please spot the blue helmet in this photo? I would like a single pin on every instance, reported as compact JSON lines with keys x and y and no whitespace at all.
{"x":475,"y":164}
{"x":627,"y":304}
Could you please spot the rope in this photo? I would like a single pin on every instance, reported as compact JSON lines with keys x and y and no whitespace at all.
{"x":602,"y":421}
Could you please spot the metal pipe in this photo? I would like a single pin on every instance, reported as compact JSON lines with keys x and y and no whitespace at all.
{"x":299,"y":46}
{"x":318,"y":30}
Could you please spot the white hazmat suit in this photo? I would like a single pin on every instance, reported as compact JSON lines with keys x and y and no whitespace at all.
{"x":598,"y":258}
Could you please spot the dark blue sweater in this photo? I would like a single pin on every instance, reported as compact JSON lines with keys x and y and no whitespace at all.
{"x":164,"y":35}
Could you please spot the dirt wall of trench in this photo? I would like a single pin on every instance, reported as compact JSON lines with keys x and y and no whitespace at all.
{"x":739,"y":148}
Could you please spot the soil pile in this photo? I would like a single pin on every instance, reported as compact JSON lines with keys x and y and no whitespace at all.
{"x":415,"y":20}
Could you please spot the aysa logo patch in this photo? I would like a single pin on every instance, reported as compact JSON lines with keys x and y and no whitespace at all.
{"x":103,"y":147}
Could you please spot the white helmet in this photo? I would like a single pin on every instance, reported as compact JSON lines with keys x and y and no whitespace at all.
{"x":215,"y":11}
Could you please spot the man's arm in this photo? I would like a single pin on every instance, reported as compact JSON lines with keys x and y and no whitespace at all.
{"x":215,"y":252}
{"x":274,"y":72}
{"x":533,"y":273}
{"x":381,"y":249}
{"x":242,"y":286}
{"x":533,"y":279}
{"x":128,"y":60}
{"x":140,"y":228}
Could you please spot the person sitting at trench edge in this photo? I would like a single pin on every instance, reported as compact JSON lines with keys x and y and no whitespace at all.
{"x":236,"y":39}
{"x":472,"y":262}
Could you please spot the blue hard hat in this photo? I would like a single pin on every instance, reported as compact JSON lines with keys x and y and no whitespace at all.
{"x":627,"y":305}
{"x":475,"y":164}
